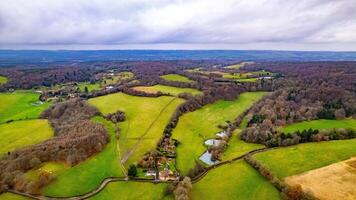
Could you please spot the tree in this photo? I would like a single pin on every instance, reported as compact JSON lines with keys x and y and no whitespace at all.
{"x":182,"y":189}
{"x":340,"y":113}
{"x":132,"y":171}
{"x":86,"y":89}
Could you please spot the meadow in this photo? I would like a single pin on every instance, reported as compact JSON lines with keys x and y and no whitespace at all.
{"x":131,"y":190}
{"x":320,"y":124}
{"x":167,"y":89}
{"x":146,"y":118}
{"x":195,"y":127}
{"x":300,"y":158}
{"x":87,"y":175}
{"x":89,"y":86}
{"x":236,"y":180}
{"x":23,"y":133}
{"x":177,"y":77}
{"x":20,"y":105}
{"x":3,"y":80}
{"x":10,"y":196}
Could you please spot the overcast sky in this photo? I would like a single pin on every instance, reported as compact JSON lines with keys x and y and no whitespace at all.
{"x":178,"y":24}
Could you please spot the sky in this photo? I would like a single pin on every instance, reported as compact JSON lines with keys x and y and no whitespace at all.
{"x":327,"y":25}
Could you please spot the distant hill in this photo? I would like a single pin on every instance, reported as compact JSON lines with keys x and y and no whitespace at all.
{"x":13,"y":57}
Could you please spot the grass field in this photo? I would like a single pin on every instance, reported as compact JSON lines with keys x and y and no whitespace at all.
{"x":237,"y":147}
{"x":294,"y":160}
{"x":146,"y":118}
{"x":195,"y":127}
{"x":238,"y":66}
{"x":131,"y":190}
{"x":167,"y":89}
{"x":10,"y":196}
{"x":3,"y":80}
{"x":90,"y":86}
{"x":22,"y":133}
{"x":87,"y":175}
{"x":19,"y":105}
{"x":237,"y":180}
{"x":321,"y":124}
{"x":177,"y":77}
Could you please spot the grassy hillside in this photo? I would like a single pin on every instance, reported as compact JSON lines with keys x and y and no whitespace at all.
{"x":131,"y":190}
{"x":146,"y":118}
{"x":23,"y":133}
{"x":3,"y":80}
{"x":90,"y":86}
{"x":88,"y":175}
{"x":321,"y":124}
{"x":167,"y":89}
{"x":304,"y":157}
{"x":237,"y":180}
{"x":195,"y":127}
{"x":20,"y":105}
{"x":177,"y":77}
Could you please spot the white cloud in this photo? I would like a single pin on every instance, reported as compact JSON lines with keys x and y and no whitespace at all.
{"x":182,"y":22}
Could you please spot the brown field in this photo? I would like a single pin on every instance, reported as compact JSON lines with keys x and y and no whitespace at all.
{"x":333,"y":182}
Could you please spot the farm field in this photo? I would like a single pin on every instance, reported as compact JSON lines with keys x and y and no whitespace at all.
{"x":3,"y":80}
{"x":20,"y":105}
{"x":321,"y":124}
{"x":304,"y":157}
{"x":146,"y":118}
{"x":237,"y":180}
{"x":23,"y":133}
{"x":167,"y":89}
{"x":87,"y":175}
{"x":237,"y":147}
{"x":10,"y":196}
{"x":132,"y":190}
{"x":238,"y":66}
{"x":192,"y":131}
{"x":339,"y":184}
{"x":177,"y":77}
{"x":90,"y":86}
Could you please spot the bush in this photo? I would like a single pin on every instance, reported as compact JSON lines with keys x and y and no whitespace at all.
{"x":132,"y":171}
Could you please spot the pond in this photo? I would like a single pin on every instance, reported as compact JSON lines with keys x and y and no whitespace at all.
{"x":222,"y":134}
{"x":206,"y":158}
{"x":212,"y":142}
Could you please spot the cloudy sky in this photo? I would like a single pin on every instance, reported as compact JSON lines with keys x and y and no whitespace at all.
{"x":178,"y":24}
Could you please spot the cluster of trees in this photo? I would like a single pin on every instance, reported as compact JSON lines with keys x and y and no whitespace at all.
{"x":116,"y":117}
{"x":76,"y":139}
{"x":182,"y":189}
{"x":308,"y":92}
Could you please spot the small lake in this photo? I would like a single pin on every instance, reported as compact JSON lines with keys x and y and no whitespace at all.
{"x":206,"y":158}
{"x":222,"y":134}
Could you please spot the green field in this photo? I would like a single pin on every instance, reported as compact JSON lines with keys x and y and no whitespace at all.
{"x":90,"y":86}
{"x":237,"y":147}
{"x":177,"y":77}
{"x":22,"y":133}
{"x":131,"y":190}
{"x":237,"y":180}
{"x":146,"y":118}
{"x":10,"y":196}
{"x":3,"y":80}
{"x":20,"y":105}
{"x":167,"y":89}
{"x":195,"y":127}
{"x":320,"y":124}
{"x":304,"y":157}
{"x":87,"y":175}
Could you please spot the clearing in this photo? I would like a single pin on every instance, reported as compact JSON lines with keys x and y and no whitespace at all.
{"x":300,"y":158}
{"x":87,"y":175}
{"x":320,"y":124}
{"x":195,"y":127}
{"x":20,"y":105}
{"x":167,"y":89}
{"x":237,"y":180}
{"x":177,"y":77}
{"x":23,"y":133}
{"x":146,"y":118}
{"x":333,"y":182}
